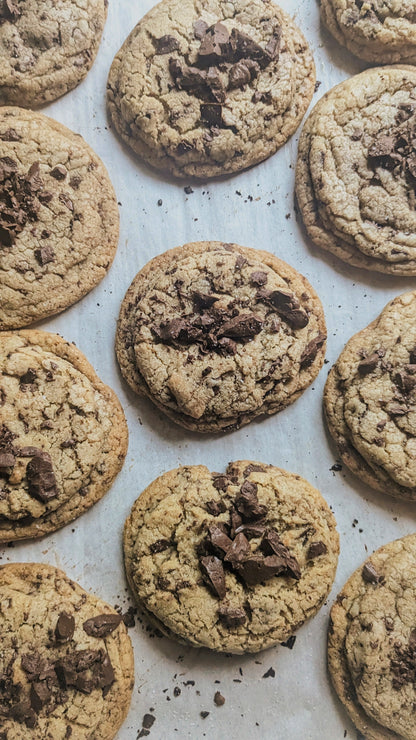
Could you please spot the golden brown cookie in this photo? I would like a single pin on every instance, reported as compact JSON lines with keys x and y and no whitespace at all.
{"x":233,"y":562}
{"x":63,"y":435}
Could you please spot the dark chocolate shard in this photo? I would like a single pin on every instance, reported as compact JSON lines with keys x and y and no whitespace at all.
{"x":102,"y":625}
{"x":257,"y":568}
{"x":166,"y":44}
{"x":44,"y":255}
{"x":211,"y":113}
{"x":41,"y":478}
{"x":286,"y":305}
{"x":239,"y":550}
{"x":244,"y":47}
{"x":215,"y":508}
{"x":370,"y":574}
{"x":273,"y":45}
{"x":65,"y":627}
{"x":213,"y":572}
{"x":272,"y":545}
{"x":28,"y":377}
{"x":215,"y":85}
{"x":368,"y":363}
{"x":221,"y":482}
{"x":59,"y":172}
{"x":405,"y":380}
{"x":215,"y":45}
{"x":159,"y":546}
{"x":247,"y":503}
{"x":23,"y":713}
{"x":40,"y":694}
{"x":311,"y":350}
{"x":220,"y":542}
{"x":316,"y":549}
{"x":242,"y":326}
{"x":231,"y":617}
{"x":203,"y":301}
{"x":242,"y":73}
{"x":200,"y":27}
{"x":259,"y":277}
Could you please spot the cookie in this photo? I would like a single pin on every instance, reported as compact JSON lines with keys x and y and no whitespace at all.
{"x":216,"y":334}
{"x":66,"y":661}
{"x":63,"y":435}
{"x":356,"y":171}
{"x":382,"y":31}
{"x":233,"y":562}
{"x":203,"y":89}
{"x":370,"y":400}
{"x":372,"y":643}
{"x":59,"y":219}
{"x":46,"y":47}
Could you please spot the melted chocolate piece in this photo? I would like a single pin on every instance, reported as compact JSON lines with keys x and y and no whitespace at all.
{"x":316,"y":549}
{"x":242,"y":326}
{"x":102,"y":625}
{"x":311,"y":350}
{"x":65,"y":627}
{"x":213,"y":571}
{"x":166,"y":44}
{"x":41,"y":478}
{"x":285,"y":303}
{"x":242,"y":73}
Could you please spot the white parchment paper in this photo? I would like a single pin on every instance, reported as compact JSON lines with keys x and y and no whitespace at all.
{"x":255,"y":209}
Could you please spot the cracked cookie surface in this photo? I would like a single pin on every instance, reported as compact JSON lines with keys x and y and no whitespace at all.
{"x":208,"y":88}
{"x":217,"y":334}
{"x":59,"y":219}
{"x":372,"y":643}
{"x":382,"y":31}
{"x":235,"y":562}
{"x":370,"y":400}
{"x":356,"y":171}
{"x":66,"y":661}
{"x":47,"y":47}
{"x":63,"y":435}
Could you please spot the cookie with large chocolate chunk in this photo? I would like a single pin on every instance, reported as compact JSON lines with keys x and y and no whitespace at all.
{"x":356,"y":171}
{"x":63,"y":435}
{"x":58,"y":679}
{"x":205,"y":89}
{"x":47,"y":47}
{"x":382,"y":31}
{"x":216,"y":334}
{"x":372,"y":643}
{"x":235,"y":562}
{"x":370,"y":400}
{"x":59,"y":219}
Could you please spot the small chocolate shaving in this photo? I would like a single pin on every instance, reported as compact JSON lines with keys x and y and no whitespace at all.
{"x":370,"y":574}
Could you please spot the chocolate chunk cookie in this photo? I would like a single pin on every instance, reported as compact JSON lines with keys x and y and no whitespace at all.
{"x":208,"y":88}
{"x":372,"y":643}
{"x":382,"y":31}
{"x":63,"y":435}
{"x":66,"y":661}
{"x":47,"y":47}
{"x":370,"y":400}
{"x":216,"y":334}
{"x":58,"y":218}
{"x":233,"y":562}
{"x":356,"y":171}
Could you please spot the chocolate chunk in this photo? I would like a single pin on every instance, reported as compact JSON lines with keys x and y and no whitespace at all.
{"x":192,"y":79}
{"x":272,"y":544}
{"x":220,"y":482}
{"x":253,"y":529}
{"x":66,"y":200}
{"x":215,"y":508}
{"x":368,"y":363}
{"x":239,"y":550}
{"x":200,"y":27}
{"x":219,"y":699}
{"x":166,"y":44}
{"x":242,"y":73}
{"x":59,"y":172}
{"x":247,"y":503}
{"x":23,"y":713}
{"x":214,"y":83}
{"x":289,"y":642}
{"x":40,"y":694}
{"x":10,"y":11}
{"x":102,"y":625}
{"x":258,"y":278}
{"x":286,"y":305}
{"x":10,"y":135}
{"x":148,"y":721}
{"x":219,"y":541}
{"x":405,"y":381}
{"x":211,"y":113}
{"x":159,"y":546}
{"x":316,"y":549}
{"x":243,"y":325}
{"x":244,"y":47}
{"x":269,"y":674}
{"x":41,"y":478}
{"x":7,"y":460}
{"x":213,"y":572}
{"x":241,"y":261}
{"x":257,"y":568}
{"x":32,"y":664}
{"x":311,"y":350}
{"x":370,"y":574}
{"x":231,"y":617}
{"x":252,"y":468}
{"x":226,"y":346}
{"x":262,"y":97}
{"x":29,"y":376}
{"x":273,"y":45}
{"x":215,"y":45}
{"x":65,"y":627}
{"x":202,"y":301}
{"x":44,"y":255}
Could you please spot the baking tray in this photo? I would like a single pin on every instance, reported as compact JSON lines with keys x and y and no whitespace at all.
{"x":256,"y":208}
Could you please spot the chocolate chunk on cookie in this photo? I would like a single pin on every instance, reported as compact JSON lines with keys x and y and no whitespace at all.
{"x":356,"y":171}
{"x":46,"y":47}
{"x":59,"y":219}
{"x":382,"y":31}
{"x":63,"y":435}
{"x":370,"y":400}
{"x":216,"y":334}
{"x":205,"y":90}
{"x":57,"y":679}
{"x":239,"y":578}
{"x":372,"y":643}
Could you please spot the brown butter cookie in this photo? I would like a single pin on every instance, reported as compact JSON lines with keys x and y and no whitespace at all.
{"x":233,"y":562}
{"x":217,"y":334}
